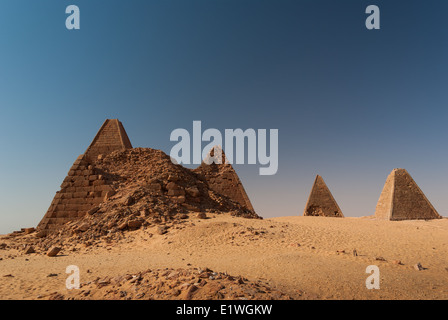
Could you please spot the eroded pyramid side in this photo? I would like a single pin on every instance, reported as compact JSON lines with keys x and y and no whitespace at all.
{"x":321,"y":202}
{"x":223,"y":179}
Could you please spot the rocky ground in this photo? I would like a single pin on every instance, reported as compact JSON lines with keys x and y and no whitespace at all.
{"x":228,"y":257}
{"x":177,"y":284}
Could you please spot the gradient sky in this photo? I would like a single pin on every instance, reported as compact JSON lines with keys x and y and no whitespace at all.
{"x":350,"y":104}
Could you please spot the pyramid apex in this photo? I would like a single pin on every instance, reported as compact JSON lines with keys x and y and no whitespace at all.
{"x":110,"y":137}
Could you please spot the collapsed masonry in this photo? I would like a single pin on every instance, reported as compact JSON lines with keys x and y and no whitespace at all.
{"x":321,"y":201}
{"x":402,"y":199}
{"x":112,"y":169}
{"x":223,"y":179}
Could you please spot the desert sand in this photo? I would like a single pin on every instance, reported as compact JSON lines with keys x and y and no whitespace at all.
{"x":292,"y":257}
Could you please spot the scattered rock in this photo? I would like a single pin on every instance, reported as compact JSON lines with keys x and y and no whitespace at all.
{"x":93,"y":210}
{"x":193,"y":191}
{"x":53,"y":251}
{"x":418,"y":267}
{"x":29,"y":230}
{"x":202,"y":215}
{"x":134,"y":224}
{"x":41,"y":234}
{"x":56,"y":296}
{"x":83,"y":227}
{"x":397,"y":262}
{"x":380,"y":259}
{"x":190,"y":292}
{"x":162,"y":230}
{"x":29,"y":249}
{"x":128,"y":201}
{"x":108,"y":195}
{"x":123,"y":226}
{"x":180,"y":199}
{"x":179,"y":284}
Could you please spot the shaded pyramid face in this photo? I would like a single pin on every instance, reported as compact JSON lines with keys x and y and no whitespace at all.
{"x":85,"y":187}
{"x":402,"y":199}
{"x":222,"y":178}
{"x":321,"y":201}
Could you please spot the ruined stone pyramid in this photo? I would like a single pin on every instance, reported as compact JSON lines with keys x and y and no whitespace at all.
{"x":223,"y":179}
{"x":321,"y":201}
{"x":84,"y":187}
{"x":91,"y":182}
{"x":402,"y":199}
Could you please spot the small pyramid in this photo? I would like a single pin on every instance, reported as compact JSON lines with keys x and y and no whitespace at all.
{"x":402,"y":199}
{"x":321,"y":201}
{"x":223,"y":179}
{"x":84,"y":187}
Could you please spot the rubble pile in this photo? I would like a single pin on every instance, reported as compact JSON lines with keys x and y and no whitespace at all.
{"x":177,"y":284}
{"x":147,"y":189}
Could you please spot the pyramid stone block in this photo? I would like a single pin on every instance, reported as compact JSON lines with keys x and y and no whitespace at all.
{"x":321,"y":201}
{"x":402,"y":199}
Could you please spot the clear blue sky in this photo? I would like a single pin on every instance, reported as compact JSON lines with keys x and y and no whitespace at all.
{"x":350,"y":104}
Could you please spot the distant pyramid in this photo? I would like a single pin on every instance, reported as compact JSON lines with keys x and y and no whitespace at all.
{"x":321,"y":201}
{"x":84,"y":187}
{"x":223,"y":179}
{"x":402,"y":199}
